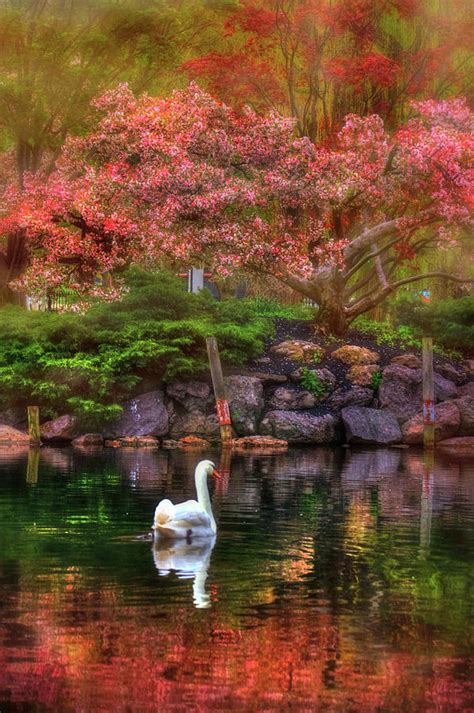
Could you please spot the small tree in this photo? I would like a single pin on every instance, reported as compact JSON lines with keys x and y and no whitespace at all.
{"x":187,"y":178}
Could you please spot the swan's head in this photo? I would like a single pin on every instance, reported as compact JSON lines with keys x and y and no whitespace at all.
{"x":209,"y":468}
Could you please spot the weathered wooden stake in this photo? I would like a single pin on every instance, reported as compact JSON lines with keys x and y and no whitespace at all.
{"x":429,"y":415}
{"x":222,"y":405}
{"x":34,"y":425}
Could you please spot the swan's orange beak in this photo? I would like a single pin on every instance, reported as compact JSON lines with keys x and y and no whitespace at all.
{"x":216,"y":474}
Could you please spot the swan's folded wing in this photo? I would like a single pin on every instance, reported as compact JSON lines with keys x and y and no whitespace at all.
{"x":190,"y":515}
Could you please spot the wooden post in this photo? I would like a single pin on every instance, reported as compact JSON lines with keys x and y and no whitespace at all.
{"x":429,"y":415}
{"x":222,"y":405}
{"x":34,"y":425}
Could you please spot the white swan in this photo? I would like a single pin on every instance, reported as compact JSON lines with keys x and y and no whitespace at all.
{"x":189,"y":561}
{"x":191,"y":518}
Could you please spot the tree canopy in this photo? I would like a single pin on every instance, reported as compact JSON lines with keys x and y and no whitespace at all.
{"x":188,"y":178}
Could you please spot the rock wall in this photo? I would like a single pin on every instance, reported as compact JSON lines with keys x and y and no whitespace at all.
{"x":351,"y":399}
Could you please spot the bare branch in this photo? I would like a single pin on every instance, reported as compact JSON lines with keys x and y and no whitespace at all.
{"x":442,"y":275}
{"x":372,"y":300}
{"x":371,"y":255}
{"x":379,"y":267}
{"x":305,"y":287}
{"x":369,"y":236}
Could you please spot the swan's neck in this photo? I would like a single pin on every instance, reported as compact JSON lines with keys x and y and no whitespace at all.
{"x":203,"y":494}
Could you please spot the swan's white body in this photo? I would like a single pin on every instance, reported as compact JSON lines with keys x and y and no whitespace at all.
{"x":191,"y":519}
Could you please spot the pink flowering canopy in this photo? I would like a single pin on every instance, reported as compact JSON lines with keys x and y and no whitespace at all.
{"x":185,"y":177}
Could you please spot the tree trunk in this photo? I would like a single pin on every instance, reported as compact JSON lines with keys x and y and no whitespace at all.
{"x":12,"y":263}
{"x":331,"y":317}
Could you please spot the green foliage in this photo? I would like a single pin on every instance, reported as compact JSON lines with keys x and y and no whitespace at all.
{"x":318,"y":355}
{"x":266,"y":307}
{"x":450,"y":322}
{"x":410,"y":337}
{"x":313,"y":383}
{"x":386,"y":333}
{"x":376,"y":379}
{"x":89,"y":363}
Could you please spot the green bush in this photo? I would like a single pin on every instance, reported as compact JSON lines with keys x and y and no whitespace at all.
{"x":449,"y":322}
{"x":376,"y":380}
{"x":312,"y":383}
{"x":88,"y":363}
{"x":385,"y":333}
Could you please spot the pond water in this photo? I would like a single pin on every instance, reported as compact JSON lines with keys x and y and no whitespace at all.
{"x":338,"y":581}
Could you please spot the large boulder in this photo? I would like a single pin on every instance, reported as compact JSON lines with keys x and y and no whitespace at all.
{"x":245,"y":394}
{"x":61,"y":429}
{"x":363,"y":374}
{"x":326,"y":377}
{"x":297,"y":427}
{"x":145,"y":415}
{"x":466,"y":411}
{"x":400,"y":391}
{"x":370,"y":426}
{"x":456,"y":374}
{"x":351,"y":354}
{"x":287,"y":399}
{"x":88,"y":440}
{"x":192,"y":395}
{"x":15,"y":417}
{"x":355,"y":396}
{"x":11,"y":436}
{"x":458,"y":447}
{"x":411,"y":361}
{"x":466,"y":389}
{"x":195,"y":423}
{"x":444,"y":389}
{"x":447,"y":424}
{"x":298,"y":350}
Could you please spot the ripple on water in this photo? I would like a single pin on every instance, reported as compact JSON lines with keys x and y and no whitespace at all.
{"x":338,"y":581}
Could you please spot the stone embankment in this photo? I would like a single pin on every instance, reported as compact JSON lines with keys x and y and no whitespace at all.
{"x":344,"y":395}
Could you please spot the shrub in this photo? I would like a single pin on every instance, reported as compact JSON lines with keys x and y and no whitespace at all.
{"x":449,"y":322}
{"x":88,"y":363}
{"x":312,"y":383}
{"x":376,"y":380}
{"x":407,"y":337}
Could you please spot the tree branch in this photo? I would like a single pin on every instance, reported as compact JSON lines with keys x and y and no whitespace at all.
{"x":368,"y":237}
{"x":299,"y":284}
{"x":416,"y":278}
{"x":370,"y":255}
{"x":379,"y":267}
{"x":369,"y":301}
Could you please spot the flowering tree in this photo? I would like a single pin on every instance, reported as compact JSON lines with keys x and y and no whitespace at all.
{"x":187,"y":178}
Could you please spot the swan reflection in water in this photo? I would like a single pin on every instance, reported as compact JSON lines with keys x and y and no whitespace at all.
{"x":189,"y":560}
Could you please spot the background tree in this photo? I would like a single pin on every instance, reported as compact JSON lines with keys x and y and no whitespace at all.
{"x":55,"y":56}
{"x":318,"y":60}
{"x":187,"y":178}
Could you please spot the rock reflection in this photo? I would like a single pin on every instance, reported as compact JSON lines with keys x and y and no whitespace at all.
{"x":189,"y":560}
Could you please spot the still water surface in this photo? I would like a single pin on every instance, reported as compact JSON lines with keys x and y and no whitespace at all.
{"x":338,"y":581}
